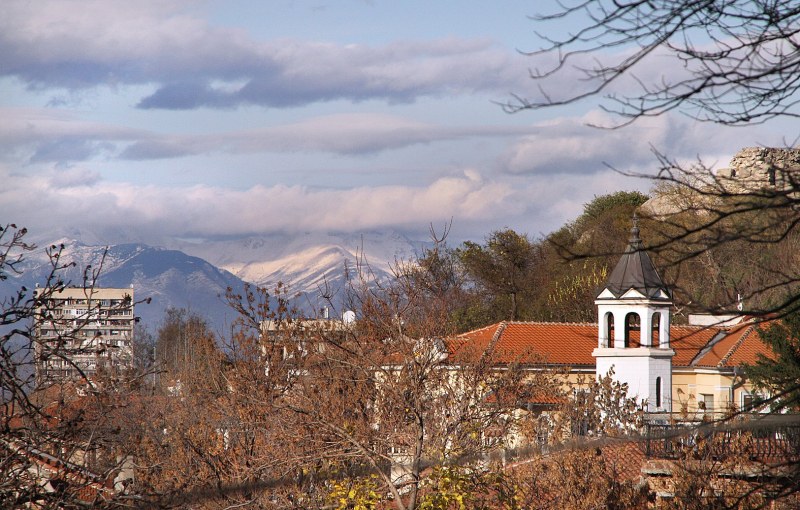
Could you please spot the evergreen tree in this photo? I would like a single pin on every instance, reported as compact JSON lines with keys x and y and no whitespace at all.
{"x":780,"y":376}
{"x":505,"y":267}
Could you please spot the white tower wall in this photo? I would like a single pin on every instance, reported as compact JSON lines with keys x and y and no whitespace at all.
{"x":637,"y":350}
{"x":641,"y":368}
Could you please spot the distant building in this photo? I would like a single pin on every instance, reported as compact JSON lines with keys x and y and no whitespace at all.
{"x":81,"y":331}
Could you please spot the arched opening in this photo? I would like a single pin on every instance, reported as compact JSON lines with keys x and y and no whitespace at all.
{"x":658,"y":392}
{"x":609,"y":323}
{"x":632,"y":326}
{"x":655,"y":326}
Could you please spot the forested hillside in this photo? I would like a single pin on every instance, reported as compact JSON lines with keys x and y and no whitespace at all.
{"x":722,"y":256}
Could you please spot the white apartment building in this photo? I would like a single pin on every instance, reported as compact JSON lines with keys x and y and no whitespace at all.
{"x":80,"y":331}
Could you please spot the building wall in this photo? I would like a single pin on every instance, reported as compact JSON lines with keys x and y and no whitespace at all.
{"x":82,"y":330}
{"x":695,"y":385}
{"x":640,"y":368}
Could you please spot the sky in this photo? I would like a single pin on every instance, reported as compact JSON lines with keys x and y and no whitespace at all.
{"x":151,"y":120}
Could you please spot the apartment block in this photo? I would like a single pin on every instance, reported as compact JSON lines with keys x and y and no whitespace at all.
{"x":81,"y":332}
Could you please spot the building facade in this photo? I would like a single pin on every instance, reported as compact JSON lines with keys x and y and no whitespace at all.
{"x":80,"y":332}
{"x":693,"y":370}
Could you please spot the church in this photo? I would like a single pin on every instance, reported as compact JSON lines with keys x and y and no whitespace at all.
{"x":694,"y":369}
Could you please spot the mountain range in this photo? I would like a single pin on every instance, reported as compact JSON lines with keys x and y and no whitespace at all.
{"x":195,"y":273}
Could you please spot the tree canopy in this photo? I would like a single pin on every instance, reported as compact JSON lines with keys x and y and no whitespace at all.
{"x":778,"y":377}
{"x":506,"y":266}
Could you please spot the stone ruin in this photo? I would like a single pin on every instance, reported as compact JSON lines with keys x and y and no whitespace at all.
{"x":758,"y":167}
{"x":751,"y":169}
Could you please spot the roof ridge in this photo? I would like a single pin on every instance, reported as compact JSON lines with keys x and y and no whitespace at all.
{"x":701,"y":327}
{"x":556,"y":323}
{"x":471,"y":331}
{"x":733,"y":349}
{"x":495,"y":338}
{"x":492,"y":325}
{"x":497,"y":334}
{"x":717,"y":338}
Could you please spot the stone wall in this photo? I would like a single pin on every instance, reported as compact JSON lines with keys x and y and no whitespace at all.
{"x":751,"y":169}
{"x":756,"y":167}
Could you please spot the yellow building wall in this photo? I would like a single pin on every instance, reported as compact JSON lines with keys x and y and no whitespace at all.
{"x":723,"y":389}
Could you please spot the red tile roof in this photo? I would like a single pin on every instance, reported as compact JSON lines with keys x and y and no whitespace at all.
{"x":688,"y":341}
{"x":530,"y":342}
{"x":624,"y":460}
{"x":86,"y":486}
{"x":748,"y":349}
{"x":572,"y":344}
{"x":732,"y":347}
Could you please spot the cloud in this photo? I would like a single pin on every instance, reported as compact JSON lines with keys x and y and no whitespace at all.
{"x":572,"y":146}
{"x":30,"y":135}
{"x":347,"y":134}
{"x":76,"y":45}
{"x":42,"y":136}
{"x":78,"y":198}
{"x":300,"y":73}
{"x":73,"y":178}
{"x":186,"y":96}
{"x":68,"y":149}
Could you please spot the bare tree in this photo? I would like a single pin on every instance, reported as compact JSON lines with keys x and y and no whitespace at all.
{"x":375,"y":404}
{"x":736,"y":62}
{"x":725,"y":239}
{"x":59,"y":447}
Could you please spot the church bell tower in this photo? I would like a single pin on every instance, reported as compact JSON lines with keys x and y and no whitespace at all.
{"x":633,"y":312}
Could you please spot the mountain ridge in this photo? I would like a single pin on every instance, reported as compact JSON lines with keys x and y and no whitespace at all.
{"x":180,"y":275}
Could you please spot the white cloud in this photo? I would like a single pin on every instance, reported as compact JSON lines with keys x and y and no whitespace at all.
{"x":572,"y":146}
{"x":45,"y":201}
{"x":342,"y":134}
{"x":107,"y":43}
{"x":36,"y":136}
{"x":73,"y":177}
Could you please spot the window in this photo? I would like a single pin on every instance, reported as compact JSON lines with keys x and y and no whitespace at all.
{"x":654,"y":330}
{"x":580,"y":422}
{"x":658,"y":392}
{"x":543,"y":427}
{"x":751,"y":402}
{"x":706,"y":404}
{"x":631,"y":324}
{"x":609,"y":339}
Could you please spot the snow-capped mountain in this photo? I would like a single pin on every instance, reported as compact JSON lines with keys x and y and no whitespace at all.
{"x":169,"y":278}
{"x":313,"y":266}
{"x":195,"y":274}
{"x":302,"y":260}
